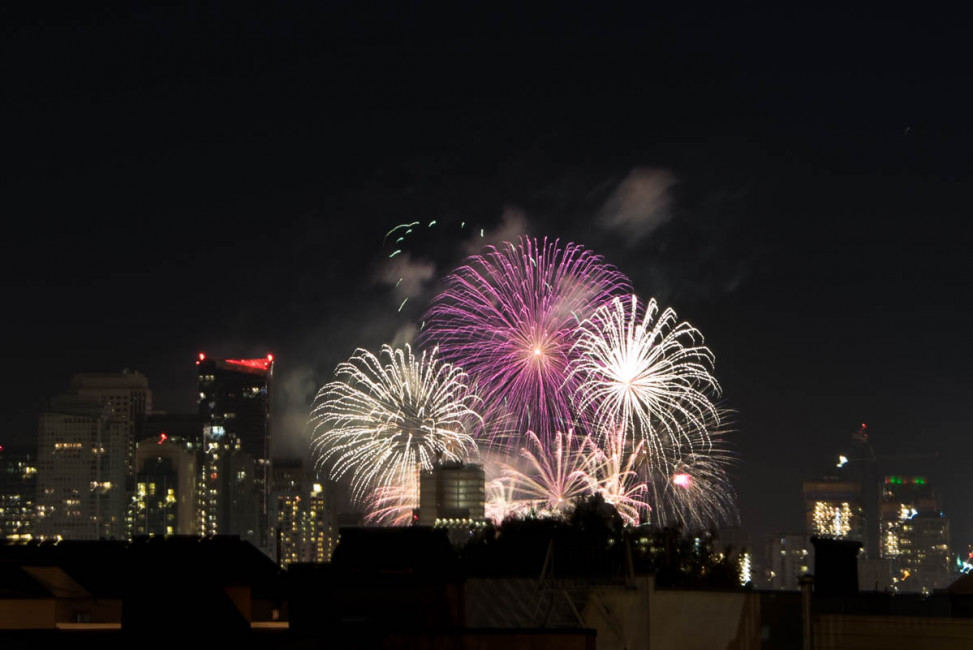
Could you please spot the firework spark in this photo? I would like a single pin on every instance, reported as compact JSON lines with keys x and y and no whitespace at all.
{"x":648,"y":374}
{"x":385,"y":418}
{"x":510,"y":317}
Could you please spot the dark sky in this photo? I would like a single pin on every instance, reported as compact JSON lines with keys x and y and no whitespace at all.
{"x":219,"y":176}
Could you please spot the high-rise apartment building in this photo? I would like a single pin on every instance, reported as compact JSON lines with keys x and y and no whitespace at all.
{"x":834,"y":509}
{"x":18,"y":489}
{"x":302,"y":515}
{"x":234,"y":479}
{"x":165,"y":487}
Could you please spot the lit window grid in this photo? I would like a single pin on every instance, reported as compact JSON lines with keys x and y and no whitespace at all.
{"x":832,"y":519}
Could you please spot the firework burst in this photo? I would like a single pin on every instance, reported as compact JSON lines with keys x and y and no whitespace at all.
{"x":384,"y":418}
{"x":552,"y":473}
{"x":612,"y":471}
{"x":510,"y":317}
{"x":647,"y":374}
{"x":696,"y":490}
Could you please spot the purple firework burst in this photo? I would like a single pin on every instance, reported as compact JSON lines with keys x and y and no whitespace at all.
{"x":509,"y":317}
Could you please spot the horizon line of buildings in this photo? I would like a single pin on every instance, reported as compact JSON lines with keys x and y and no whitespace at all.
{"x":904,"y":535}
{"x":106,"y":466}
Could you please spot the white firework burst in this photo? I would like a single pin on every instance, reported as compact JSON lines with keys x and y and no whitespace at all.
{"x":554,"y":473}
{"x":613,"y":471}
{"x":386,"y":418}
{"x":647,"y":374}
{"x":696,"y":491}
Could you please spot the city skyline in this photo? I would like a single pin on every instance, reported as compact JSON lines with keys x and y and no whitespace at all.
{"x":802,"y":200}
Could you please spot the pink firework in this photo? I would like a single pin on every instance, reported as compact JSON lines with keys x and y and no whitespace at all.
{"x":509,"y":317}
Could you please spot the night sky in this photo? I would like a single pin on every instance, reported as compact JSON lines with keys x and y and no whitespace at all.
{"x":219,"y":177}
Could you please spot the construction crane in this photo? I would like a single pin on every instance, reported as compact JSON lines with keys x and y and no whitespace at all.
{"x":861,"y":438}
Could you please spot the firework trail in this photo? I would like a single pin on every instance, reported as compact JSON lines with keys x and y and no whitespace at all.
{"x":501,"y":502}
{"x":510,"y":318}
{"x":391,"y":505}
{"x":648,"y":374}
{"x":385,"y":418}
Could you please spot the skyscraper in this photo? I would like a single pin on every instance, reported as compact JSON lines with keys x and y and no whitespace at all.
{"x":914,"y":533}
{"x":127,"y":400}
{"x":234,"y":404}
{"x":126,"y":393}
{"x":82,"y":470}
{"x":834,"y":509}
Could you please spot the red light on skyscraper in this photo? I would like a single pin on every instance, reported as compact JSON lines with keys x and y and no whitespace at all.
{"x":261,"y":364}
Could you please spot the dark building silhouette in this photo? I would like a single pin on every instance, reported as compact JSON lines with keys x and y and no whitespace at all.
{"x":835,"y":566}
{"x":184,"y":426}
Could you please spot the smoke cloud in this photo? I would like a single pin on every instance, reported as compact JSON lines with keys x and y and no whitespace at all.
{"x":639,"y":205}
{"x":407,"y":277}
{"x":295,"y":392}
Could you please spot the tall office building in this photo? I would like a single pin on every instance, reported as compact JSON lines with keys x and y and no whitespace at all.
{"x":234,"y":480}
{"x":302,"y":515}
{"x":18,"y":489}
{"x":126,"y":395}
{"x":834,"y":509}
{"x":914,"y":533}
{"x":452,"y":492}
{"x":83,"y":463}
